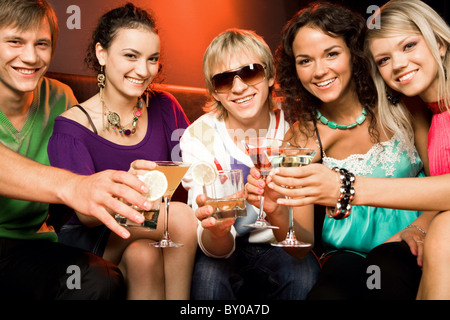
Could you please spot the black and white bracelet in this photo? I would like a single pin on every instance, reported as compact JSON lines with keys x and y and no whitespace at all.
{"x":343,"y":206}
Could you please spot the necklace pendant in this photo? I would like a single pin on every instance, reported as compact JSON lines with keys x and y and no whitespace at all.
{"x":360,"y":119}
{"x":332,"y":124}
{"x":113,"y":119}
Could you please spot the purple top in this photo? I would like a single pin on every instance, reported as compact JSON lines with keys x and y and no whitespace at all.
{"x":78,"y":149}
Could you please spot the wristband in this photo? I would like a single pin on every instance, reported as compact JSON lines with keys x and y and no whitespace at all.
{"x":343,"y":206}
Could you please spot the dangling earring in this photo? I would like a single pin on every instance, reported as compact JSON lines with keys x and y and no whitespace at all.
{"x":101,"y":79}
{"x":147,"y":93}
{"x":101,"y":85}
{"x":393,"y":99}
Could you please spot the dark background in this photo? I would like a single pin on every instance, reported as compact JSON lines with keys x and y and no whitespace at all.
{"x":186,"y":28}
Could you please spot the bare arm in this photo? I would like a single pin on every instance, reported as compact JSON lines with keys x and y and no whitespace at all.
{"x":320,"y":185}
{"x":24,"y":179}
{"x":426,"y":193}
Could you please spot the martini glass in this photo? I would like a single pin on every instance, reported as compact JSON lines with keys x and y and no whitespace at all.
{"x":291,"y":157}
{"x":258,"y":148}
{"x":174,"y":172}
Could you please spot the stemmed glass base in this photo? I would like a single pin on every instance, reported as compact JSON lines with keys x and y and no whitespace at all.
{"x":260,"y":224}
{"x":165,"y":242}
{"x":291,"y":241}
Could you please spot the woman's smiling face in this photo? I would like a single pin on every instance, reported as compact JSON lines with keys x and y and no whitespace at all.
{"x":323,"y":64}
{"x":132,"y":60}
{"x":406,"y":65}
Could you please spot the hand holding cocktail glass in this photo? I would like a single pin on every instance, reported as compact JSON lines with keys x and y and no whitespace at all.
{"x":284,"y":157}
{"x":157,"y":184}
{"x":258,"y":148}
{"x":162,"y":182}
{"x":287,"y":158}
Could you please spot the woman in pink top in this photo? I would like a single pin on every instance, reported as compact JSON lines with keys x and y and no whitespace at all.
{"x":410,"y":52}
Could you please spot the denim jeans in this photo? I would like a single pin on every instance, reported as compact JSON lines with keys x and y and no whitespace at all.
{"x":254,"y":271}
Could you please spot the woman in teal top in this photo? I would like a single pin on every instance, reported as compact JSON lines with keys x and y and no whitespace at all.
{"x":332,"y":103}
{"x":367,"y":227}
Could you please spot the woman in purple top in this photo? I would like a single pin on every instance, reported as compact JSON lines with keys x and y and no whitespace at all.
{"x":123,"y":128}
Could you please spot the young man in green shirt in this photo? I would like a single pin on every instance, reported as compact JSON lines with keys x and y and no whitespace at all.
{"x":33,"y":265}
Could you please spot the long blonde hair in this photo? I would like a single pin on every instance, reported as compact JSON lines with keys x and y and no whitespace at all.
{"x":401,"y":17}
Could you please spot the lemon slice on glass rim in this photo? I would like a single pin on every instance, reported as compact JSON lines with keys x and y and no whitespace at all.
{"x":203,"y":173}
{"x":156,"y":182}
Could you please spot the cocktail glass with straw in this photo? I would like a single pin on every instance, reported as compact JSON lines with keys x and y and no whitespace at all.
{"x":174,"y":172}
{"x":258,"y":148}
{"x":291,"y":157}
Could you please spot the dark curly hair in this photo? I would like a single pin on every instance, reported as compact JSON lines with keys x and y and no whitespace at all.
{"x":128,"y":16}
{"x":336,"y":21}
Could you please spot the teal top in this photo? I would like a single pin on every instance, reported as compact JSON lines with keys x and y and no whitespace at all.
{"x":22,"y":219}
{"x":368,"y":227}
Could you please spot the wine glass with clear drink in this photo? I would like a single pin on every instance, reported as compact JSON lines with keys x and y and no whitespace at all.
{"x":258,"y":148}
{"x":291,"y":157}
{"x":174,"y":172}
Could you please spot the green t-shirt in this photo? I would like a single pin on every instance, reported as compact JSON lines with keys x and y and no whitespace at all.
{"x":22,"y":219}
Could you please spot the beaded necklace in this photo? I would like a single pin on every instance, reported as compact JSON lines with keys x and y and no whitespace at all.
{"x":113,"y":118}
{"x":333,"y":125}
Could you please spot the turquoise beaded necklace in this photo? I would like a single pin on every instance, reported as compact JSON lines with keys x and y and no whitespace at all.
{"x":334,"y":125}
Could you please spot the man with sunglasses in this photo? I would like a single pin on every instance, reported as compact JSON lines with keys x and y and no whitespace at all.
{"x":236,"y":261}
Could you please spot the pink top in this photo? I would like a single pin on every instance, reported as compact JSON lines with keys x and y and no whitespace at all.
{"x":439,"y":140}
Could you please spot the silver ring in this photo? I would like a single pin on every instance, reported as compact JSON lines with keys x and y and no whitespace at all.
{"x":419,"y":241}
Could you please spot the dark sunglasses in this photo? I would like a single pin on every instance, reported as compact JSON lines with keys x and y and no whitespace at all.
{"x":251,"y":74}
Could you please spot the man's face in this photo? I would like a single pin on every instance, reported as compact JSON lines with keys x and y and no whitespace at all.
{"x":24,"y":57}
